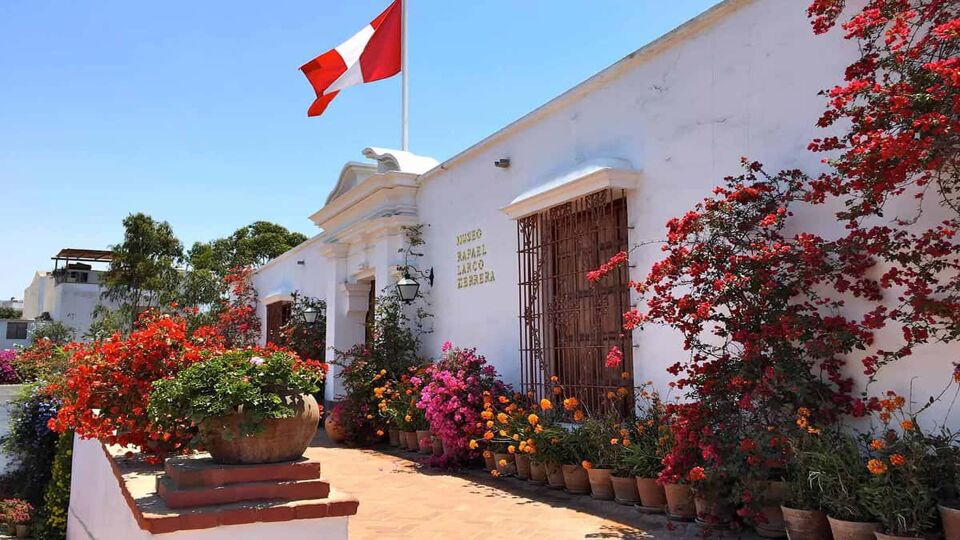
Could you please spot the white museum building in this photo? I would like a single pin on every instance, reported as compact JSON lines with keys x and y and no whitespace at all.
{"x":513,"y":223}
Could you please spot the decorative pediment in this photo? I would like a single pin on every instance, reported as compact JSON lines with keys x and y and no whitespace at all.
{"x":352,"y":174}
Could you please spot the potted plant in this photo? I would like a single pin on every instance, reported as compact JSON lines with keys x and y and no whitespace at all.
{"x":602,"y":438}
{"x":908,"y":468}
{"x":802,"y":509}
{"x":576,"y":446}
{"x":549,"y":451}
{"x":250,"y":406}
{"x":18,"y":514}
{"x":841,"y":472}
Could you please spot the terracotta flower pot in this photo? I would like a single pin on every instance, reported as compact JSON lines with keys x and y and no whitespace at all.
{"x":853,"y":530}
{"x":488,"y":462}
{"x":22,"y":531}
{"x":437,"y":447}
{"x":806,"y":524}
{"x":448,"y":448}
{"x":538,"y":473}
{"x":653,"y":499}
{"x":680,"y":504}
{"x":334,"y":430}
{"x":280,"y":439}
{"x":523,"y":466}
{"x":713,"y":509}
{"x":625,"y":490}
{"x":410,"y":438}
{"x":394,"y":436}
{"x":555,"y":476}
{"x":951,"y":522}
{"x":505,"y":464}
{"x":576,"y":480}
{"x":771,"y":497}
{"x":424,"y":441}
{"x":883,"y":536}
{"x":601,"y":487}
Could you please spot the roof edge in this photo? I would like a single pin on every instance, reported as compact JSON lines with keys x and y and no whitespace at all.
{"x":687,"y":29}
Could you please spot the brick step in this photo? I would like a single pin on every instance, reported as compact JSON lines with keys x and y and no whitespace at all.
{"x":200,"y":471}
{"x":158,"y":518}
{"x":287,"y":490}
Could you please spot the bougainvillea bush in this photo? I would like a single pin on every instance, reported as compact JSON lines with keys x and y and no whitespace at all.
{"x":237,"y":321}
{"x":453,"y":400}
{"x":44,"y":360}
{"x":8,"y":375}
{"x":30,"y":442}
{"x":109,"y":382}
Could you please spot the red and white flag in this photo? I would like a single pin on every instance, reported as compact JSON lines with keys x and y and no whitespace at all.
{"x":372,"y":54}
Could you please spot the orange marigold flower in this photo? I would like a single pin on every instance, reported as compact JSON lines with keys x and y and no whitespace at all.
{"x":511,"y":449}
{"x":489,"y":423}
{"x":502,"y":418}
{"x":610,"y":394}
{"x":557,"y":390}
{"x":379,"y":433}
{"x":897,"y":460}
{"x":878,"y":444}
{"x":538,"y":429}
{"x":877,"y":467}
{"x":502,"y":463}
{"x":473,"y":444}
{"x":570,"y":403}
{"x":626,"y":442}
{"x":884,"y":417}
{"x":533,"y":419}
{"x":546,"y":404}
{"x":578,"y":416}
{"x":494,"y":473}
{"x":586,"y":464}
{"x":503,"y":399}
{"x":803,"y":411}
{"x":908,"y":425}
{"x":614,"y":441}
{"x":488,"y":435}
{"x":554,"y":378}
{"x":487,"y":454}
{"x":486,"y":415}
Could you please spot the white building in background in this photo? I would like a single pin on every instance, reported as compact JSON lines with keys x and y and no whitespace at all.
{"x":515,"y":221}
{"x":70,"y":292}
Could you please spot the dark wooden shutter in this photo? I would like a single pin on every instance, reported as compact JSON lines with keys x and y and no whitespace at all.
{"x":567,"y":325}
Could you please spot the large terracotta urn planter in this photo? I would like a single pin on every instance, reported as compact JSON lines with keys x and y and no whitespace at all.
{"x":333,"y":428}
{"x":950,"y":516}
{"x":523,"y":466}
{"x":393,"y":436}
{"x":555,"y":478}
{"x":601,"y":486}
{"x":575,"y":479}
{"x":437,"y":447}
{"x":506,"y":465}
{"x":625,"y":490}
{"x":772,"y":495}
{"x":853,"y":530}
{"x":653,"y":499}
{"x":410,"y":438}
{"x":884,"y":536}
{"x":280,"y":439}
{"x":680,"y":503}
{"x":424,"y":441}
{"x":806,"y":524}
{"x":538,"y":473}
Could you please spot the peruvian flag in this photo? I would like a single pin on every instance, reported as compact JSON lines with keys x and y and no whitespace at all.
{"x":370,"y":55}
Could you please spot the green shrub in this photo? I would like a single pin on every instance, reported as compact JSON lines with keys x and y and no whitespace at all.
{"x":52,"y":521}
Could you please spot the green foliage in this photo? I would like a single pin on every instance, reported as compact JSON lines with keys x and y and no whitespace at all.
{"x":10,"y":313}
{"x":43,"y":360}
{"x":831,"y":469}
{"x":549,"y":440}
{"x":599,"y":434}
{"x":309,"y":340}
{"x":226,"y":384}
{"x":52,"y":520}
{"x":396,"y":338}
{"x":56,"y":331}
{"x":30,"y":442}
{"x":143,"y":271}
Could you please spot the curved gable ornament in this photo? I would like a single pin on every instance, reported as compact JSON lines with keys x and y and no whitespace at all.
{"x":351,"y":175}
{"x":584,"y":178}
{"x":399,"y":161}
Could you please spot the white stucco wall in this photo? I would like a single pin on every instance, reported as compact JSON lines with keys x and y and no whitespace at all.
{"x":742,"y":80}
{"x":6,"y":343}
{"x":98,"y":510}
{"x":8,"y":392}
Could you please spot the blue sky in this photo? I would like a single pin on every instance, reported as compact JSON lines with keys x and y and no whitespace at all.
{"x":195,"y":112}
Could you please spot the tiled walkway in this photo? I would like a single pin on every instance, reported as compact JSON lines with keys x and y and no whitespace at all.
{"x":401,"y":499}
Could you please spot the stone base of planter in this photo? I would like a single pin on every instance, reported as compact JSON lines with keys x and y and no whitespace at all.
{"x":195,"y":497}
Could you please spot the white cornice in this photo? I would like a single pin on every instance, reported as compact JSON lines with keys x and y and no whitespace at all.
{"x":586,"y":178}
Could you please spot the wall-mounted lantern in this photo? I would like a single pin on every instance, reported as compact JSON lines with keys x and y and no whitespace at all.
{"x":407,"y":288}
{"x":310,"y":315}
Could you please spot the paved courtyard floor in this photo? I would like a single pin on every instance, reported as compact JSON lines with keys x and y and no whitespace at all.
{"x":400,"y":498}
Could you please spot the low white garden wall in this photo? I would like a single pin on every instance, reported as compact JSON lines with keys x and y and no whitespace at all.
{"x":99,"y":511}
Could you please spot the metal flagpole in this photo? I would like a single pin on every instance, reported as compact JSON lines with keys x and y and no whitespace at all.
{"x":404,"y":136}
